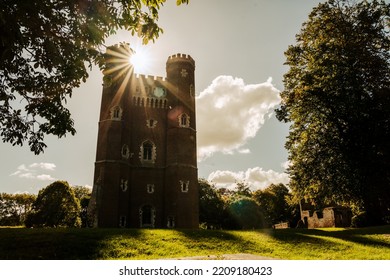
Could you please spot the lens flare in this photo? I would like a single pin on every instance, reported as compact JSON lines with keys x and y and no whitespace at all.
{"x":140,"y":61}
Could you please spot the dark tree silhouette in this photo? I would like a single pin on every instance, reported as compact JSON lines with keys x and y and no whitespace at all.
{"x":337,"y":99}
{"x":46,"y":48}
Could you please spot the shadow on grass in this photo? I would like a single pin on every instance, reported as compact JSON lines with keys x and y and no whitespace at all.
{"x":58,"y":243}
{"x":363,"y":236}
{"x":91,"y":244}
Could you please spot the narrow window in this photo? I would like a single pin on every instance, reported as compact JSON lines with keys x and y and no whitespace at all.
{"x":122,"y":221}
{"x":150,"y":188}
{"x":116,"y":113}
{"x":148,"y":151}
{"x":184,"y":185}
{"x":151,"y":123}
{"x":124,"y":185}
{"x":125,"y":152}
{"x":171,"y":222}
{"x":184,"y":120}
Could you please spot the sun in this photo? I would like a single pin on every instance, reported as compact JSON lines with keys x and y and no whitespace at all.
{"x":140,"y":60}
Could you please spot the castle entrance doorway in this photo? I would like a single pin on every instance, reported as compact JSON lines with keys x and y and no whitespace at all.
{"x":147,"y":216}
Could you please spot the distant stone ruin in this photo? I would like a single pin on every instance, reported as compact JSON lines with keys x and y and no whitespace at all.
{"x":329,"y":217}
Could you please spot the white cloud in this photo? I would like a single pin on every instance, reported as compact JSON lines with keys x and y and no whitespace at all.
{"x":244,"y":151}
{"x":22,"y":167}
{"x":17,"y":172}
{"x":33,"y":171}
{"x":256,"y":178}
{"x":229,"y":113}
{"x":43,"y":165}
{"x":45,"y":177}
{"x":27,"y":175}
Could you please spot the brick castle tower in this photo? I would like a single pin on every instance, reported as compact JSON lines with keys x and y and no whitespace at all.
{"x":146,"y":167}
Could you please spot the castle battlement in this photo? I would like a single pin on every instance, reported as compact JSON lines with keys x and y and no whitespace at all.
{"x":146,"y":77}
{"x":181,"y":57}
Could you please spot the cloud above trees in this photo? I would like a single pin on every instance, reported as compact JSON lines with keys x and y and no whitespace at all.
{"x":230,"y":112}
{"x":256,"y":178}
{"x":35,"y":171}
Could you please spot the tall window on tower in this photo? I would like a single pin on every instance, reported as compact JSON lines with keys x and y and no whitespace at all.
{"x":184,"y":120}
{"x":116,"y":113}
{"x":148,"y":152}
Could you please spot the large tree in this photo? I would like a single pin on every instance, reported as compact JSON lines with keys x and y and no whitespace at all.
{"x":55,"y":206}
{"x":46,"y":49}
{"x":336,"y":98}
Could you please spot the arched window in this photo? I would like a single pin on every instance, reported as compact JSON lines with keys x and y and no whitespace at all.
{"x":184,"y":186}
{"x":184,"y":120}
{"x":150,"y":188}
{"x":147,"y":217}
{"x":151,"y":123}
{"x":125,"y":152}
{"x":148,"y":152}
{"x":124,"y":185}
{"x":116,"y":113}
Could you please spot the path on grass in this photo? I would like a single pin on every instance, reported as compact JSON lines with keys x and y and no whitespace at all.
{"x":241,"y":256}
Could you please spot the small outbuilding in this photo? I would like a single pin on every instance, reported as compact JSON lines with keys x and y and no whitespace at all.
{"x":328,"y":217}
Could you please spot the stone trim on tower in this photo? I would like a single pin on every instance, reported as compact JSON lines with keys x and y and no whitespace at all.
{"x":184,"y":120}
{"x":116,"y":113}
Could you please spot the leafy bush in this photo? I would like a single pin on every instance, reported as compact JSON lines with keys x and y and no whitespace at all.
{"x":55,"y":206}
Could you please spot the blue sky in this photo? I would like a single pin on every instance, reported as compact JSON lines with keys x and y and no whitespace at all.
{"x":238,"y":47}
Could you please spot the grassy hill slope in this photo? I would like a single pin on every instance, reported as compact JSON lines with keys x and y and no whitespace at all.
{"x":61,"y":243}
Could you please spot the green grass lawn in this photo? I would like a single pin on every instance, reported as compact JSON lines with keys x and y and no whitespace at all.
{"x":321,"y":244}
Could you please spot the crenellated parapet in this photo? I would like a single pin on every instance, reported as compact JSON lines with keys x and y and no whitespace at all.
{"x":151,"y":78}
{"x":181,"y":58}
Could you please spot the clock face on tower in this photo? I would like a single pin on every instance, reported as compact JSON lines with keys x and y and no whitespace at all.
{"x":159,"y":92}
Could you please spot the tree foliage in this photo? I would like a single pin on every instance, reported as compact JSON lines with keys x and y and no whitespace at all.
{"x":46,"y":49}
{"x":55,"y":206}
{"x":245,"y":213}
{"x":211,"y":206}
{"x":83,"y":194}
{"x":275,"y":205}
{"x":337,"y":99}
{"x":241,"y":208}
{"x":14,"y":208}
